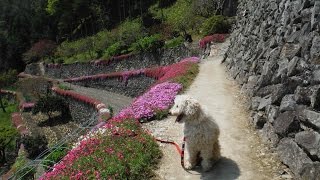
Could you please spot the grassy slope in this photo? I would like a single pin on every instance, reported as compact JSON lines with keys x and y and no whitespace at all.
{"x":5,"y":118}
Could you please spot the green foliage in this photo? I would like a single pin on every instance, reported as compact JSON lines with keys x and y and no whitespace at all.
{"x":21,"y":161}
{"x":148,"y":43}
{"x":215,"y":24}
{"x":111,"y":110}
{"x":178,"y":15}
{"x":39,"y":51}
{"x":187,"y":79}
{"x":207,"y":8}
{"x":81,"y":50}
{"x":130,"y":31}
{"x":51,"y":7}
{"x":22,"y":22}
{"x":55,"y":156}
{"x":104,"y":44}
{"x":34,"y":145}
{"x":161,"y":114}
{"x":8,"y":78}
{"x":7,"y":135}
{"x":175,"y":42}
{"x":64,"y":87}
{"x":50,"y":104}
{"x":123,"y":152}
{"x":113,"y":50}
{"x":5,"y":117}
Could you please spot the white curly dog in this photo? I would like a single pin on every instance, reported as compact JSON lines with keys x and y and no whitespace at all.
{"x":201,"y":132}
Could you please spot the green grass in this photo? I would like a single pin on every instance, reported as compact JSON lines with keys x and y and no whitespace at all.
{"x":5,"y":118}
{"x":187,"y":79}
{"x":65,"y":87}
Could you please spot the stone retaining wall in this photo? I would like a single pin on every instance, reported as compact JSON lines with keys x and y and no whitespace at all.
{"x":138,"y":61}
{"x":275,"y":57}
{"x":133,"y":86}
{"x":84,"y":109}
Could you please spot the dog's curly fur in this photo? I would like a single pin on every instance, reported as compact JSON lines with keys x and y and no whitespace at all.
{"x":200,"y":129}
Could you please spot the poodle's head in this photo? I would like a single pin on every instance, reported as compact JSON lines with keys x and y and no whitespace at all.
{"x":184,"y":107}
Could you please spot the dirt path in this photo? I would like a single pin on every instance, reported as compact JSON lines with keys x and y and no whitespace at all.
{"x":116,"y":101}
{"x":244,"y":157}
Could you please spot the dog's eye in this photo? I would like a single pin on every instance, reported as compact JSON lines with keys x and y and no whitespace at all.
{"x":176,"y":105}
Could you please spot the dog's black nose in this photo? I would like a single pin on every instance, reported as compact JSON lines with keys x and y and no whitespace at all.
{"x":169,"y":113}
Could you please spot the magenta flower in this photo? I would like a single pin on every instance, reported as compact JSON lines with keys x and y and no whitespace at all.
{"x":159,"y":97}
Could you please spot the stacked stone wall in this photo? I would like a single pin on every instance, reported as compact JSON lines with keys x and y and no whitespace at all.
{"x":275,"y":56}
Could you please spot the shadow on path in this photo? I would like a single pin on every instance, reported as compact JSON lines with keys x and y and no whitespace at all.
{"x":225,"y":169}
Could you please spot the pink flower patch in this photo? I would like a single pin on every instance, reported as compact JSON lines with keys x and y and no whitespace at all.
{"x":158,"y":97}
{"x":212,"y":38}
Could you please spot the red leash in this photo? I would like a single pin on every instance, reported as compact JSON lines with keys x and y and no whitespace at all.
{"x":180,"y":151}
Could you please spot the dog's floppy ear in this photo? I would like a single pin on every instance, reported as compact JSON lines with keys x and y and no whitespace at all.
{"x":192,"y":107}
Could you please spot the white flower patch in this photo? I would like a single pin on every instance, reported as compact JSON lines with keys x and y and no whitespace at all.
{"x":99,"y":132}
{"x":100,"y":106}
{"x":104,"y":111}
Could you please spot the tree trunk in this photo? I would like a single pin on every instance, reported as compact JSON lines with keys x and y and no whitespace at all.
{"x":3,"y":155}
{"x":2,"y":105}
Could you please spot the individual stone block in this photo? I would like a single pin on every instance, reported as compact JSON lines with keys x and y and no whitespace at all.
{"x":315,"y":98}
{"x":272,"y":113}
{"x":293,"y":156}
{"x":264,"y":102}
{"x":288,"y":103}
{"x":292,"y":66}
{"x":312,"y":117}
{"x":310,"y":141}
{"x":302,"y":95}
{"x":290,"y":50}
{"x":286,"y":123}
{"x":269,"y":135}
{"x":259,"y":120}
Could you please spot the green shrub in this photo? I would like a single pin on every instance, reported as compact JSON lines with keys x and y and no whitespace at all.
{"x":51,"y":104}
{"x":8,"y":78}
{"x":40,"y":50}
{"x":64,"y":87}
{"x":148,"y":43}
{"x":5,"y":117}
{"x":34,"y":145}
{"x":174,"y":42}
{"x":20,"y":168}
{"x":55,"y":156}
{"x":105,"y":38}
{"x":81,"y":57}
{"x":7,"y":136}
{"x":103,"y":44}
{"x":113,"y":50}
{"x":178,"y":15}
{"x":206,"y":8}
{"x":84,"y":49}
{"x":59,"y":60}
{"x":111,"y":110}
{"x":130,"y":31}
{"x":215,"y":24}
{"x":161,"y":114}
